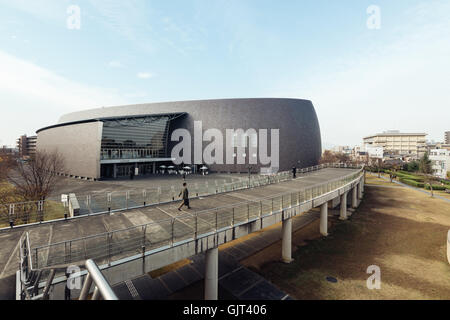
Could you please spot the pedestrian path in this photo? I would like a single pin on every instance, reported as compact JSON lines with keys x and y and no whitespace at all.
{"x":238,"y":281}
{"x":414,"y":188}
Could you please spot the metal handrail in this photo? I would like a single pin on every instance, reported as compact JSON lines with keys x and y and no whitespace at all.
{"x":30,"y":278}
{"x":193,"y":214}
{"x":283,"y":173}
{"x":311,"y":194}
{"x":38,"y":216}
{"x":102,"y":287}
{"x":26,"y":263}
{"x":29,"y":290}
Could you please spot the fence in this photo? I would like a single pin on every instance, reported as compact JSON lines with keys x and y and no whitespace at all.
{"x":111,"y":246}
{"x":23,"y":213}
{"x":19,"y":214}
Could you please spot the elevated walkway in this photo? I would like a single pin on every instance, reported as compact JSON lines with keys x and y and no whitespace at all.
{"x":235,"y":281}
{"x":130,"y":243}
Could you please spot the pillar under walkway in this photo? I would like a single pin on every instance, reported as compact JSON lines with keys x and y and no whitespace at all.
{"x":286,"y":242}
{"x":212,"y":274}
{"x":343,"y":212}
{"x":355,"y":197}
{"x":324,"y":219}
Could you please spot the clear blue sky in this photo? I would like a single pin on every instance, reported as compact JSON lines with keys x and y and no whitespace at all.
{"x":360,"y":80}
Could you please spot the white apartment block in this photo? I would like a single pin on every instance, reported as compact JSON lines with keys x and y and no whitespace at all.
{"x":398,"y":143}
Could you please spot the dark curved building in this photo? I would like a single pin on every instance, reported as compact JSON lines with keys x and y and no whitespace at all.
{"x":109,"y":142}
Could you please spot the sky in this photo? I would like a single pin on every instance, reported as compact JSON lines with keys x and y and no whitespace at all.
{"x":365,"y":71}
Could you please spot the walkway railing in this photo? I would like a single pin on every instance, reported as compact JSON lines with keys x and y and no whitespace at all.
{"x":27,"y":276}
{"x":28,"y":280}
{"x":102,"y":287}
{"x":111,"y":246}
{"x":35,"y":212}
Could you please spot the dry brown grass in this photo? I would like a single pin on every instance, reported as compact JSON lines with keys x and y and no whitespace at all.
{"x":402,"y":231}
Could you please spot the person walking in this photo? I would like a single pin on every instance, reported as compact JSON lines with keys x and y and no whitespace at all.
{"x":294,"y":172}
{"x":185,"y":194}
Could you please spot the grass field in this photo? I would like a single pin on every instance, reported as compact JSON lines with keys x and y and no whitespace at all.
{"x":52,"y":209}
{"x":374,"y":180}
{"x":401,"y":230}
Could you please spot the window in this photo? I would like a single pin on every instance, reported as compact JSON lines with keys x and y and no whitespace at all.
{"x":135,"y":138}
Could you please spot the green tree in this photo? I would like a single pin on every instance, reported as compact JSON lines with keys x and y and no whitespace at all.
{"x":412,"y":166}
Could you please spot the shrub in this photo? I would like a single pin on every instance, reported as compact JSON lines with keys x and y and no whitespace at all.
{"x":437,"y":187}
{"x":409,"y":177}
{"x":412,"y":183}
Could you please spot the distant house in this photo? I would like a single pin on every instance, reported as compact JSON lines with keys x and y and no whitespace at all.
{"x":440,"y":161}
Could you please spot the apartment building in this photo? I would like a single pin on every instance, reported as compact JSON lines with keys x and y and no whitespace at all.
{"x":397,"y":143}
{"x":26,"y":146}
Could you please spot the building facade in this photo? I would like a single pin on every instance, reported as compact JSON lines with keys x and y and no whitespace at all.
{"x":447,"y":138}
{"x":375,"y":152}
{"x":399,"y":144}
{"x":440,"y":161}
{"x":26,"y":146}
{"x":112,"y":142}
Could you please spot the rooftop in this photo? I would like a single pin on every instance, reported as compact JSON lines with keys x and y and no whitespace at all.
{"x":395,"y":133}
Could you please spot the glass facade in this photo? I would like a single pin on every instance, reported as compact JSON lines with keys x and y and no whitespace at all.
{"x":135,"y":138}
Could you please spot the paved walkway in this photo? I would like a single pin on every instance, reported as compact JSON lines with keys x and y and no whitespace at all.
{"x":235,"y":281}
{"x":411,"y":187}
{"x":139,"y":183}
{"x":56,"y":232}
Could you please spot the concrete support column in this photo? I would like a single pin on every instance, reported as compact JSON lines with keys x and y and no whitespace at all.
{"x":360,"y":190}
{"x":115,"y":171}
{"x":343,"y":215}
{"x":286,"y":242}
{"x":212,"y":274}
{"x":324,"y":219}
{"x":355,"y":197}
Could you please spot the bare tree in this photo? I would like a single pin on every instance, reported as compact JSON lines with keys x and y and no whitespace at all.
{"x":376,"y":163}
{"x":334,"y":157}
{"x":379,"y":163}
{"x":7,"y":192}
{"x":36,"y":178}
{"x":426,"y":170}
{"x":393,"y":170}
{"x":342,"y":157}
{"x":6,"y":164}
{"x":328,"y":157}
